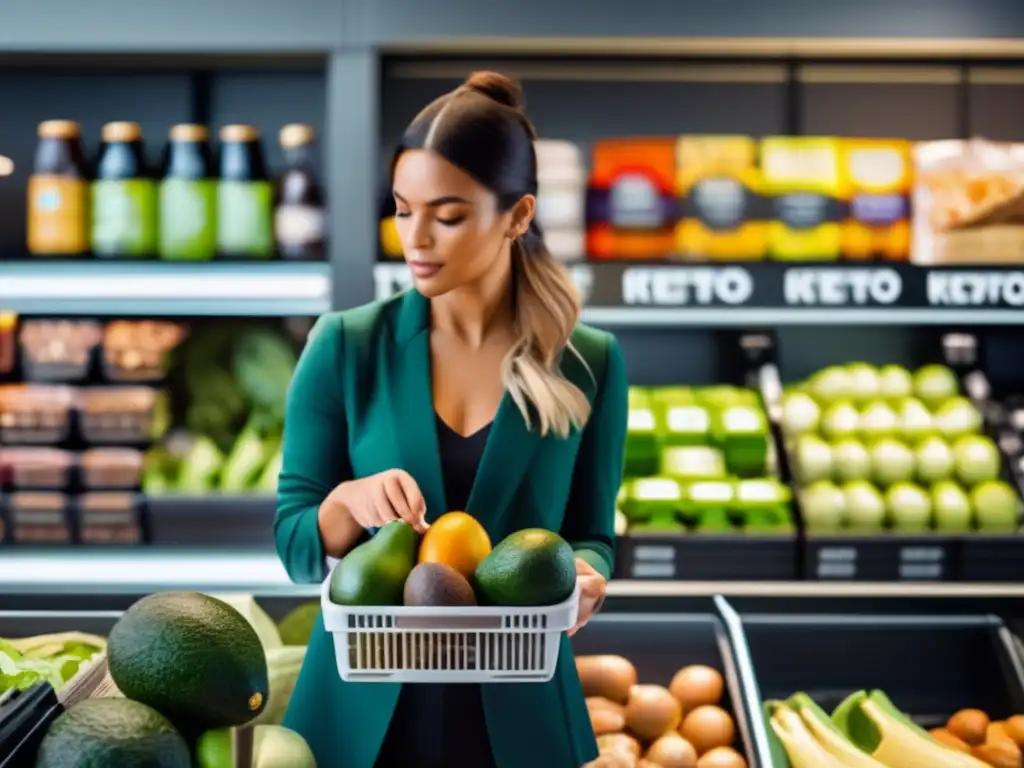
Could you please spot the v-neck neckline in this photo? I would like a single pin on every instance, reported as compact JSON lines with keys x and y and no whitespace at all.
{"x":475,"y":435}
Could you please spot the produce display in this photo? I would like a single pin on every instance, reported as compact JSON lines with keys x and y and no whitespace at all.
{"x":645,"y":725}
{"x":867,"y":730}
{"x":228,"y":382}
{"x":454,"y":564}
{"x":52,"y":659}
{"x":886,"y":448}
{"x":701,"y":459}
{"x":189,"y":668}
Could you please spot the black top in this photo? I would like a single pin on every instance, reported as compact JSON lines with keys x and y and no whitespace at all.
{"x":435,"y":725}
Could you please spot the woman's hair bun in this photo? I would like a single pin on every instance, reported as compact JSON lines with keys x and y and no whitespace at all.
{"x":501,"y":88}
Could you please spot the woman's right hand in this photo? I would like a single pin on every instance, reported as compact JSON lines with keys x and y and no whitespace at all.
{"x":378,"y":499}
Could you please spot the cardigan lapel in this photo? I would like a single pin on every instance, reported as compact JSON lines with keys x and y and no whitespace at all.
{"x":412,"y":402}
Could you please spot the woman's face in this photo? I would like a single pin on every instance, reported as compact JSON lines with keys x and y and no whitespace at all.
{"x":451,"y":230}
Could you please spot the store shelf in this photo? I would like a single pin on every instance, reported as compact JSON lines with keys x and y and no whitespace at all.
{"x":777,"y":294}
{"x":86,"y":570}
{"x":211,"y":522}
{"x":270,"y":289}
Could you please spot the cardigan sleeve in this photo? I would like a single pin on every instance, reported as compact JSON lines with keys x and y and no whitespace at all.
{"x":589,"y":525}
{"x":315,"y":450}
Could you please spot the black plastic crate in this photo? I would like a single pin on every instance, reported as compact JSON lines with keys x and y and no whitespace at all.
{"x":988,"y":557}
{"x":881,"y":557}
{"x":929,"y":666}
{"x":659,"y":645}
{"x":707,"y":557}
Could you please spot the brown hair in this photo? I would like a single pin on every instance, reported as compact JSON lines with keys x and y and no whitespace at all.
{"x":482,"y":128}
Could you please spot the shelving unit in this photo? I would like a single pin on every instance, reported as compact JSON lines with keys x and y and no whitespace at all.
{"x":358,"y":71}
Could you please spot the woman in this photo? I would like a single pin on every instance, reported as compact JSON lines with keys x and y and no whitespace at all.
{"x":476,"y":391}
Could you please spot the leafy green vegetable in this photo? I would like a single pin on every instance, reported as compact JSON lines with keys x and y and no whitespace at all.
{"x":54,"y":659}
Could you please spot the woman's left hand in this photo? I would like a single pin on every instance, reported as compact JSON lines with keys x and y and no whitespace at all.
{"x":592,"y":588}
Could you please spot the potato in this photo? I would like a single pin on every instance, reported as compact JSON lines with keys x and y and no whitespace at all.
{"x":672,"y":751}
{"x":1002,"y":753}
{"x":619,"y":744}
{"x":609,"y":677}
{"x":606,"y":721}
{"x":708,"y":727}
{"x":1014,"y":727}
{"x":696,"y":685}
{"x":995,"y":732}
{"x":947,"y":738}
{"x":612,"y":760}
{"x":969,"y":725}
{"x":722,"y":757}
{"x":652,"y":711}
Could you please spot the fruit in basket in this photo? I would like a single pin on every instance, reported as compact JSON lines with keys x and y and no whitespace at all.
{"x":273,"y":746}
{"x":456,"y":539}
{"x":606,"y":676}
{"x":652,"y":711}
{"x":374,"y":572}
{"x":708,"y":726}
{"x":191,"y":657}
{"x":438,"y":585}
{"x":697,"y":685}
{"x":107,"y":732}
{"x":531,"y":567}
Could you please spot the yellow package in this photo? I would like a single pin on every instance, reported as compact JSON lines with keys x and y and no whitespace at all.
{"x":801,"y":177}
{"x":718,"y":183}
{"x":390,"y":245}
{"x":879,"y":175}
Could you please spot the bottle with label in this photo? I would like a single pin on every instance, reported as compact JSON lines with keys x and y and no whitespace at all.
{"x":188,"y":196}
{"x":124,"y":208}
{"x":244,"y":196}
{"x":58,"y":193}
{"x":299,"y":216}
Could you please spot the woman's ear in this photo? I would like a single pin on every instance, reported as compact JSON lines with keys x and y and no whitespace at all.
{"x":522,"y":214}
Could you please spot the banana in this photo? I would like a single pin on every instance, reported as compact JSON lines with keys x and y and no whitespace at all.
{"x":802,"y":749}
{"x":826,"y":734}
{"x":873,"y":724}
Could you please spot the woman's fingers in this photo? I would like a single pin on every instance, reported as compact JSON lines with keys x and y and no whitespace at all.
{"x":407,"y":499}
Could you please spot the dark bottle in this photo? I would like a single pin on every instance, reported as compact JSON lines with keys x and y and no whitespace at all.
{"x":244,"y":196}
{"x":124,"y":200}
{"x":188,"y":196}
{"x":58,"y":193}
{"x":299,"y":215}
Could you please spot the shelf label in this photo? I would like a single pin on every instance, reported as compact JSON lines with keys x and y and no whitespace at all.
{"x":684,"y":286}
{"x":921,"y":563}
{"x":653,"y":561}
{"x":836,"y":563}
{"x":976,"y":289}
{"x":842,"y":287}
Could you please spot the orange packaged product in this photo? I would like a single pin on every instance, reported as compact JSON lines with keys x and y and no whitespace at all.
{"x":878,"y":179}
{"x":719,"y":183}
{"x":631,"y":204}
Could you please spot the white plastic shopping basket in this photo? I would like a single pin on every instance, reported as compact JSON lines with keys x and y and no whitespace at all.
{"x":397,"y":644}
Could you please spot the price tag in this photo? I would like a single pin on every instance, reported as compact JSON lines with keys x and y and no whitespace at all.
{"x":837,"y":563}
{"x":684,"y":286}
{"x":921,"y":563}
{"x":976,"y":289}
{"x":842,"y":287}
{"x":653,"y":561}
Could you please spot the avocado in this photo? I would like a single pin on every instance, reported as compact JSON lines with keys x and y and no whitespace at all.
{"x":102,"y":733}
{"x":190,"y":656}
{"x":528,"y":568}
{"x":374,"y":573}
{"x":438,"y":584}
